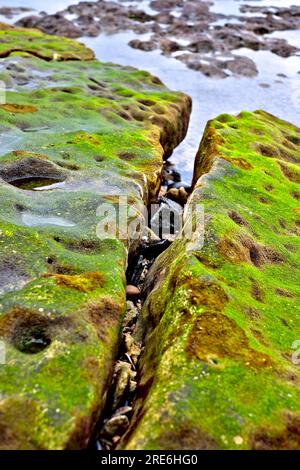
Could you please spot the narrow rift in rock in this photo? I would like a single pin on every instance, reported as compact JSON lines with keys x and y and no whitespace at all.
{"x":123,"y":390}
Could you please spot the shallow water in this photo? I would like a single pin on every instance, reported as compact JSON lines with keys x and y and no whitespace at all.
{"x":276,"y":94}
{"x":33,"y":220}
{"x":211,"y":96}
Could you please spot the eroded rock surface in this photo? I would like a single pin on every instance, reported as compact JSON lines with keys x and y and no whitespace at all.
{"x":222,"y":320}
{"x":74,"y":135}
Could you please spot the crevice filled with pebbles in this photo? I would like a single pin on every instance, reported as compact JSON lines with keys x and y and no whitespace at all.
{"x":122,"y":392}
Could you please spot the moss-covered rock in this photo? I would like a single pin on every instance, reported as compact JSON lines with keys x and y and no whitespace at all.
{"x":32,"y":42}
{"x":222,"y":320}
{"x":74,"y":135}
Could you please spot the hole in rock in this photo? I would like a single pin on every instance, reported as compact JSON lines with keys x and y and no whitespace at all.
{"x":34,"y":182}
{"x":31,"y":339}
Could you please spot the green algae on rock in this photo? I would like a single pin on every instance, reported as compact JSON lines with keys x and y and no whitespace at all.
{"x":75,"y":135}
{"x":222,"y":320}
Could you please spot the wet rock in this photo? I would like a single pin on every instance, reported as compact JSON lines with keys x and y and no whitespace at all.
{"x":131,"y":314}
{"x":178,"y":195}
{"x":243,"y":66}
{"x":191,"y":30}
{"x":167,"y":46}
{"x":124,"y":410}
{"x":132,"y":386}
{"x":209,"y":67}
{"x":115,"y":426}
{"x":164,"y":5}
{"x":166,"y":221}
{"x":280,"y":47}
{"x":202,"y":44}
{"x":143,"y":45}
{"x":132,"y":348}
{"x":10,"y":12}
{"x":51,"y":24}
{"x":139,"y":15}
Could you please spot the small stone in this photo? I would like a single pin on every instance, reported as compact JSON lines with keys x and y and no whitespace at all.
{"x":132,"y":292}
{"x":122,"y":382}
{"x":182,"y":196}
{"x":132,"y":386}
{"x":117,"y":425}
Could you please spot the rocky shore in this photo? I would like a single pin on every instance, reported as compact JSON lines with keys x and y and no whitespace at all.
{"x":173,"y":341}
{"x":186,"y":30}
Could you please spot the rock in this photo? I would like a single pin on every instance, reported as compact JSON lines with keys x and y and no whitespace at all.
{"x":180,"y":184}
{"x":124,"y":410}
{"x":61,"y":280}
{"x":121,"y":382}
{"x":132,"y":386}
{"x":133,"y":349}
{"x":52,"y":24}
{"x":132,"y":292}
{"x":178,"y":195}
{"x":208,"y":66}
{"x":46,"y":46}
{"x":166,"y":221}
{"x":10,"y":12}
{"x":182,"y":196}
{"x":202,"y":44}
{"x":281,"y":47}
{"x":242,"y":66}
{"x":168,"y":46}
{"x":131,"y":314}
{"x":218,"y":360}
{"x":115,"y":426}
{"x":192,"y":30}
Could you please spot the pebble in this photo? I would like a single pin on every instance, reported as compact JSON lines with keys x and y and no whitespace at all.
{"x":178,"y":195}
{"x":238,"y":440}
{"x":180,"y":184}
{"x":132,"y":292}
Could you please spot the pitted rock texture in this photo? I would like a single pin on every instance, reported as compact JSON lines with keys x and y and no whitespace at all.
{"x":75,"y":135}
{"x":33,"y":42}
{"x":219,"y":368}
